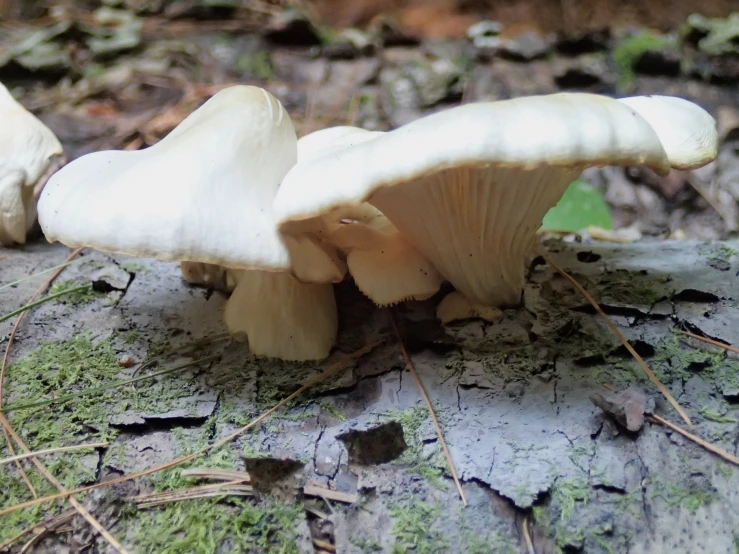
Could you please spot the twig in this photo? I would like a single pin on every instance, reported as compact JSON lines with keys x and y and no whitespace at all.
{"x":77,"y":506}
{"x":42,"y":287}
{"x":53,"y":450}
{"x":621,"y":337}
{"x":439,"y":433}
{"x":713,"y":342}
{"x":118,"y":384}
{"x":527,"y":536}
{"x":323,"y":545}
{"x":333,"y":368}
{"x":216,"y":474}
{"x":42,"y":301}
{"x":338,"y":496}
{"x":697,"y":440}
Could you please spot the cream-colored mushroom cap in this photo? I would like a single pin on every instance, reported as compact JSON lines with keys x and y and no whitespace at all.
{"x":26,"y":149}
{"x":204,"y":193}
{"x":687,"y":132}
{"x":24,"y":139}
{"x":468,"y":187}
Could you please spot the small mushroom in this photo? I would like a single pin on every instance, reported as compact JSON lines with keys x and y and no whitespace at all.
{"x":468,"y":187}
{"x":28,"y":149}
{"x":384,"y":265}
{"x":204,"y":194}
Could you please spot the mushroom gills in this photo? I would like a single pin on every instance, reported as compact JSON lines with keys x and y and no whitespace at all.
{"x":476,"y":225}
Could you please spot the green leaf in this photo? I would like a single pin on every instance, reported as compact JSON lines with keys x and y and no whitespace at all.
{"x":580,"y":206}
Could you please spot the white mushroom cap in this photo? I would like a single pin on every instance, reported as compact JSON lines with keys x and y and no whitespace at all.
{"x":204,"y":193}
{"x":559,"y":130}
{"x":468,"y":187}
{"x":24,"y":139}
{"x":688,"y":133}
{"x":26,"y":149}
{"x":302,"y":322}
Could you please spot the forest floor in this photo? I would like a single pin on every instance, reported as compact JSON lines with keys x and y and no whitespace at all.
{"x":354,"y":463}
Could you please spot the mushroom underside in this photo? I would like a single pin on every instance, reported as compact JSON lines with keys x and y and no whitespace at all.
{"x":282,"y":317}
{"x":476,"y":225}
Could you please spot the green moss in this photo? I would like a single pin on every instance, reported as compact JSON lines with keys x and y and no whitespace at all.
{"x":567,"y":493}
{"x":367,"y":546}
{"x":333,"y":410}
{"x":53,"y":369}
{"x":416,"y":422}
{"x":713,"y":415}
{"x":256,"y":65}
{"x":691,"y":498}
{"x":75,"y":298}
{"x":208,"y":525}
{"x":412,"y":526}
{"x":627,"y":54}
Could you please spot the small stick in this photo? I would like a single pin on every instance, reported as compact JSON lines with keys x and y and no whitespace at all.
{"x":622,"y":338}
{"x":711,"y":341}
{"x":697,"y":440}
{"x":439,"y":434}
{"x":527,"y":536}
{"x":53,"y":450}
{"x":338,"y":496}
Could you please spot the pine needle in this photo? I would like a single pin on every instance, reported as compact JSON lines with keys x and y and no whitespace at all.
{"x":697,"y":440}
{"x":333,"y":368}
{"x":42,"y":287}
{"x":21,"y":280}
{"x":108,"y":386}
{"x":43,"y":301}
{"x":439,"y":433}
{"x":723,"y":345}
{"x":77,"y":506}
{"x":54,"y":450}
{"x":621,"y":337}
{"x":228,"y":488}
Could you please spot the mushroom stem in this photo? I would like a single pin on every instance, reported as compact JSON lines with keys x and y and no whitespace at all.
{"x":282,"y":317}
{"x":476,"y":225}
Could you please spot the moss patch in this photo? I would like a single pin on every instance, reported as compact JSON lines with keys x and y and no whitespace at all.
{"x":627,"y":54}
{"x":77,"y":297}
{"x":428,"y":460}
{"x":206,"y":525}
{"x":412,"y":526}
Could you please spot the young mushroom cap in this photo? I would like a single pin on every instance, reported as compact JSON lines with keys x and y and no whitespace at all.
{"x":27,"y":147}
{"x":468,"y":187}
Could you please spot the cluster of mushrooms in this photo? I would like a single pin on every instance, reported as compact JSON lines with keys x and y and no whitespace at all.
{"x":456,"y":196}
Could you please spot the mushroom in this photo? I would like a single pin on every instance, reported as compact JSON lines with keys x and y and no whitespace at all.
{"x":204,"y":194}
{"x":385,"y":267}
{"x":468,"y":187}
{"x":28,"y":149}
